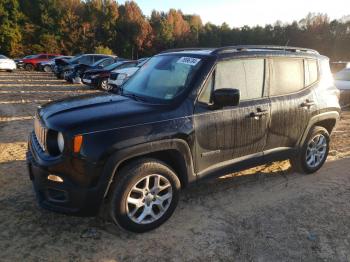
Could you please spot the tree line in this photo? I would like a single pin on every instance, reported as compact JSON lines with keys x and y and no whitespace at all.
{"x":77,"y":26}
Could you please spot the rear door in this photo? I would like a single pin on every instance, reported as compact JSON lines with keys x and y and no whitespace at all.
{"x":292,"y":82}
{"x":232,"y":132}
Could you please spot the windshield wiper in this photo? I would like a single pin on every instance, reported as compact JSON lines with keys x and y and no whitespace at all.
{"x":131,"y":95}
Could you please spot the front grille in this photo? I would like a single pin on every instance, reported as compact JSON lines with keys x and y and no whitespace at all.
{"x":40,"y":133}
{"x":113,"y":76}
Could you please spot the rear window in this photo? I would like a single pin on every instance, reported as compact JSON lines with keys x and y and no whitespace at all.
{"x":287,"y":76}
{"x":311,"y":71}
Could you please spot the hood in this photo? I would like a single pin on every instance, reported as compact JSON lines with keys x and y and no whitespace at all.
{"x":128,"y":71}
{"x":95,"y":112}
{"x":96,"y":71}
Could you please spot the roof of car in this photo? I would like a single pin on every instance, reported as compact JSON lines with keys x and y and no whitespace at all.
{"x":247,"y":50}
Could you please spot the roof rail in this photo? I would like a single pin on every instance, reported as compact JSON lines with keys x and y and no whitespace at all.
{"x":187,"y":49}
{"x":263,"y":47}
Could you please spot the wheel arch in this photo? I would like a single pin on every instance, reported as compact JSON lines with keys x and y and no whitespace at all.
{"x":328,"y":120}
{"x":173,"y":152}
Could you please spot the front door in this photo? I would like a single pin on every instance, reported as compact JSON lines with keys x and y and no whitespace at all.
{"x":225,"y":134}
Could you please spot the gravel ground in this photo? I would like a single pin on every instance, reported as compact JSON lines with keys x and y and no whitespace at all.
{"x":267,"y":213}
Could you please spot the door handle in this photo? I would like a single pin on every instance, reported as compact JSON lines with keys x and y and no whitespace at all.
{"x":308,"y":103}
{"x":258,"y":114}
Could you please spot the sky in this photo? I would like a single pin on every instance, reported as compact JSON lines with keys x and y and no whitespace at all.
{"x":238,"y":13}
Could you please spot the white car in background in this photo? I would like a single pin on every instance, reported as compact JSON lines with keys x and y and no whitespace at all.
{"x":7,"y":64}
{"x":119,"y":77}
{"x":342,"y":82}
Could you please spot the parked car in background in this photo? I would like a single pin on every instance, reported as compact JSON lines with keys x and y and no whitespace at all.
{"x":19,"y":61}
{"x":120,"y":76}
{"x":342,"y":82}
{"x":7,"y":64}
{"x":339,"y":65}
{"x":99,"y":77}
{"x":67,"y":66}
{"x":184,"y":116}
{"x":31,"y":63}
{"x":47,"y":66}
{"x":62,"y":63}
{"x":78,"y":70}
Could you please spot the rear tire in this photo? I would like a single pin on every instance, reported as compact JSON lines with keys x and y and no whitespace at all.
{"x":144,"y":195}
{"x":313,"y":153}
{"x":47,"y":69}
{"x":29,"y":67}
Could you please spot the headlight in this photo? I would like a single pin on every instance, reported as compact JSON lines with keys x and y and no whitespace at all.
{"x":122,"y":76}
{"x":60,"y":141}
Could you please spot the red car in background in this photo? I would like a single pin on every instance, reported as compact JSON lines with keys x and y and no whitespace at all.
{"x":31,"y":63}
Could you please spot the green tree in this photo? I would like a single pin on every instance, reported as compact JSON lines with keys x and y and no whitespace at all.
{"x":10,"y":34}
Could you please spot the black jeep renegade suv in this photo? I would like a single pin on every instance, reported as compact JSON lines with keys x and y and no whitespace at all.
{"x":185,"y":115}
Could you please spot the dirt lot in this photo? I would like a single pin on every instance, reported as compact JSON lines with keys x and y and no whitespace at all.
{"x":264,"y":214}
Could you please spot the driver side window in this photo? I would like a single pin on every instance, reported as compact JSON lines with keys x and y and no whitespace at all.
{"x":246,"y":75}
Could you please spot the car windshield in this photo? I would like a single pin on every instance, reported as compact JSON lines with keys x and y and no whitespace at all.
{"x":3,"y":57}
{"x":29,"y":56}
{"x":163,"y":77}
{"x":74,"y":59}
{"x":343,"y":75}
{"x":99,"y":62}
{"x":114,"y":66}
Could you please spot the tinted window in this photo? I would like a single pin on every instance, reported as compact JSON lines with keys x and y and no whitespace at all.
{"x":3,"y":57}
{"x":311,"y":71}
{"x":86,"y":60}
{"x":205,"y":96}
{"x":287,"y":76}
{"x":99,"y":57}
{"x":107,"y":62}
{"x":51,"y":56}
{"x":42,"y":57}
{"x":246,"y":75}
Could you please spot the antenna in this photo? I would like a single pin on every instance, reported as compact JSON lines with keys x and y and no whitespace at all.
{"x":285,"y":46}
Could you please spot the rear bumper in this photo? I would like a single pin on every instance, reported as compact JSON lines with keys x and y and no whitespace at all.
{"x":68,"y":197}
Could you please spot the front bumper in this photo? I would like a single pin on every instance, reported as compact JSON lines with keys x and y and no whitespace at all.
{"x":70,"y":196}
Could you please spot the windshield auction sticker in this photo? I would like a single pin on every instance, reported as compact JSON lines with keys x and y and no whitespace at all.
{"x":188,"y":61}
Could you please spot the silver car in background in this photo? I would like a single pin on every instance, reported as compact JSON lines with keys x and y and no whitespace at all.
{"x":342,"y":82}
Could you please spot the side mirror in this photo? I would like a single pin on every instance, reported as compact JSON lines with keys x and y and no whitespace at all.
{"x":226,"y":97}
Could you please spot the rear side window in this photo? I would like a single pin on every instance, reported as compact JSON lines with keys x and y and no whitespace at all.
{"x":42,"y":57}
{"x":311,"y":71}
{"x":247,"y":75}
{"x":287,"y":76}
{"x":86,"y":59}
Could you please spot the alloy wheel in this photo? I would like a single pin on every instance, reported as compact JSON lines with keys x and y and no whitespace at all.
{"x":316,"y":151}
{"x":149,"y":199}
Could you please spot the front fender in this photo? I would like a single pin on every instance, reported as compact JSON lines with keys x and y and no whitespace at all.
{"x":119,"y":156}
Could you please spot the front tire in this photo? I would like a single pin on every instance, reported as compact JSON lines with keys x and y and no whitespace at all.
{"x":47,"y":69}
{"x":314,"y":152}
{"x":144,"y":195}
{"x":104,"y":85}
{"x":29,"y":67}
